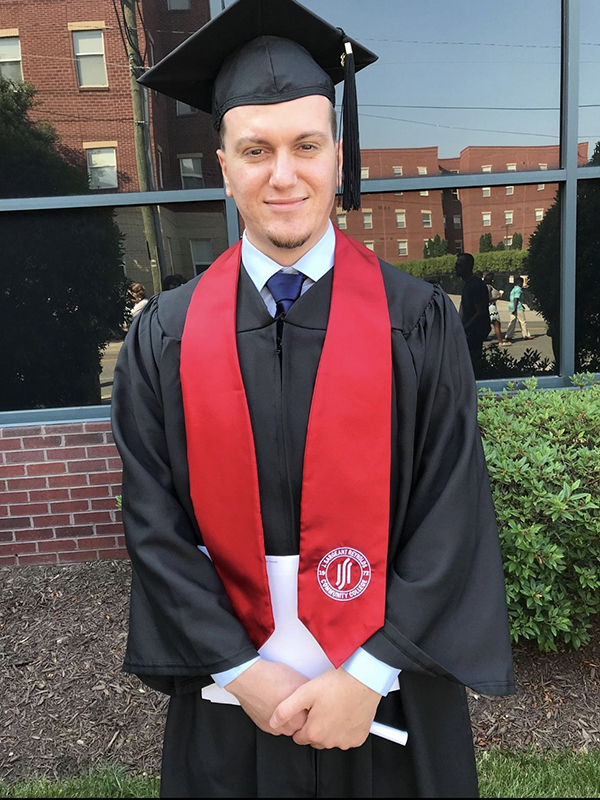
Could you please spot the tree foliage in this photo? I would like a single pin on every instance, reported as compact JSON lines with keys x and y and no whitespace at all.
{"x":544,"y":272}
{"x":63,"y":291}
{"x":436,"y":247}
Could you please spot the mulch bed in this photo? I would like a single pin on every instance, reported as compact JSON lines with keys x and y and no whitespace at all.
{"x":66,"y":706}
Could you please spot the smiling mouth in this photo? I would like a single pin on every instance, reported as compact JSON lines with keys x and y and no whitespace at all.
{"x":286,"y":205}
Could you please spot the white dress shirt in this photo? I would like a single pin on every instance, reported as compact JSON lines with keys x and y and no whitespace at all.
{"x":317,"y":262}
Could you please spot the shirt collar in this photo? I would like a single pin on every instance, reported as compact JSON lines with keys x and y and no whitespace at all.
{"x":314,"y":264}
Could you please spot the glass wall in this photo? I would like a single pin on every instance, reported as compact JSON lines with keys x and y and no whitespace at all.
{"x":70,"y":282}
{"x":460,"y":118}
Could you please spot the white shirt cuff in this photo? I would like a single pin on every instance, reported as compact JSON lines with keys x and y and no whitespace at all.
{"x":371,"y":671}
{"x":223,"y":678}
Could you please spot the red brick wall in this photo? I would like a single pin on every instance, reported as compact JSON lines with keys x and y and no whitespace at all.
{"x":58,"y":484}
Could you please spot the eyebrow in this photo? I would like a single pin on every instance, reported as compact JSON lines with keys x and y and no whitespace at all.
{"x":257,"y":140}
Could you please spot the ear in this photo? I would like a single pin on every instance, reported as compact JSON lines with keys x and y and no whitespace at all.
{"x":223,"y":164}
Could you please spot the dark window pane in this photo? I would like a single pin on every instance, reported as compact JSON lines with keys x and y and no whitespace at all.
{"x":64,"y":299}
{"x":587,"y":315}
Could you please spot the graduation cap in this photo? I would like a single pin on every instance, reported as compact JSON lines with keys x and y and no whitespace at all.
{"x":260,"y":52}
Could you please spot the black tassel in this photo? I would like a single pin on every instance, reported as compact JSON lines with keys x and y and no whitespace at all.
{"x":351,"y":147}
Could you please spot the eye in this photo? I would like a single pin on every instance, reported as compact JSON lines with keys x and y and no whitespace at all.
{"x":308,"y":147}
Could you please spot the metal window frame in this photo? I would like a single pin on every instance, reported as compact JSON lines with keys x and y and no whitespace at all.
{"x":566,"y":177}
{"x":79,"y":56}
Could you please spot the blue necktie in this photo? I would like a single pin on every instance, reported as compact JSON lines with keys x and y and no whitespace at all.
{"x":285,"y":288}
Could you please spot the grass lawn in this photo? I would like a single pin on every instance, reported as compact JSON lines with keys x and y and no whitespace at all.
{"x":501,"y":774}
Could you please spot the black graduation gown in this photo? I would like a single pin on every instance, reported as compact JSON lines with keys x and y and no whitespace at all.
{"x":446,"y":623}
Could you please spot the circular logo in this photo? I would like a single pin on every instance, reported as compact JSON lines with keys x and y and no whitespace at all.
{"x":344,"y":573}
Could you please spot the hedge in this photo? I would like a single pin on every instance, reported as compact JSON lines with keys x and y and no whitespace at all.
{"x":500,"y":261}
{"x":543,"y":455}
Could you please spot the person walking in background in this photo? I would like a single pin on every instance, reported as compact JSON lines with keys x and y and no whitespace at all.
{"x":517,"y":309}
{"x":172,"y":282}
{"x":474,"y":304}
{"x":138,"y":293}
{"x":494,"y":296}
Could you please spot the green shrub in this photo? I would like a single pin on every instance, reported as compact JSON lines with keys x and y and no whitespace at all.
{"x":497,"y":262}
{"x":543,"y":456}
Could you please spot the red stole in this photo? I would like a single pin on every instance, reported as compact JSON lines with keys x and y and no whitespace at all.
{"x":346,"y":478}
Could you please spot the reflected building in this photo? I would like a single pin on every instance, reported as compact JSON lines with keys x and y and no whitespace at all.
{"x":75,"y":55}
{"x":397,"y":225}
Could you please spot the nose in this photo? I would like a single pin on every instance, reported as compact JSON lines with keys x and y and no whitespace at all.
{"x":283,"y":173}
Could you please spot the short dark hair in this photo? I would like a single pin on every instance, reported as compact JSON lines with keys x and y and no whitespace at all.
{"x":333,"y":120}
{"x":467,"y":258}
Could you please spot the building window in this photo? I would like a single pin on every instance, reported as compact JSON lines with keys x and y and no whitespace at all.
{"x":508,"y":217}
{"x":202,"y":254}
{"x":541,"y":186}
{"x":454,"y":193}
{"x":486,"y":191}
{"x":458,"y":246}
{"x":487,"y":168}
{"x":543,"y":166}
{"x":370,"y":245}
{"x":397,"y":172}
{"x":342,"y":221}
{"x":508,"y":240}
{"x":367,"y":219}
{"x":509,"y":190}
{"x":424,"y":193}
{"x":102,"y":167}
{"x":178,"y":5}
{"x":511,"y":167}
{"x":426,"y":217}
{"x":457,"y":221}
{"x":191,"y":172}
{"x":89,"y":58}
{"x":486,"y":218}
{"x":539,"y":214}
{"x":184,"y":110}
{"x":10,"y":59}
{"x":402,"y":247}
{"x":364,"y":173}
{"x":445,"y":221}
{"x":421,"y":170}
{"x":400,"y":218}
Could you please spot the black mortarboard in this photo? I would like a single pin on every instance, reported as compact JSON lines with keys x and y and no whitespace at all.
{"x":259,"y":52}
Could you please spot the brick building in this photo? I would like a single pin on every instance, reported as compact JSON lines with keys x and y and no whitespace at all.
{"x":73,"y":52}
{"x":396,"y":225}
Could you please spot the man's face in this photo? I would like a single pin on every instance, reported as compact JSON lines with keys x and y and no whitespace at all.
{"x":461,"y":268}
{"x":281,"y":165}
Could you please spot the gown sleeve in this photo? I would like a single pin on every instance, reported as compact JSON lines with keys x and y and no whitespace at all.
{"x":182,"y":627}
{"x":446,"y":604}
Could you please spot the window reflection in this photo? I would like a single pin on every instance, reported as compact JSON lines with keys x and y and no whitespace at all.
{"x":65,"y":303}
{"x":587,"y":308}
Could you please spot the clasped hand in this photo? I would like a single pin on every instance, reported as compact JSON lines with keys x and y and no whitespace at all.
{"x":333,"y":710}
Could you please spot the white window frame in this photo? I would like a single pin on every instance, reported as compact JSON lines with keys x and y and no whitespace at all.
{"x":486,"y":168}
{"x":509,"y":217}
{"x":403,"y":245}
{"x":187,"y":157}
{"x":457,"y":222}
{"x":508,"y":241}
{"x":397,"y":172}
{"x":400,"y":217}
{"x":539,"y":214}
{"x":421,"y":170}
{"x":508,"y":190}
{"x":486,"y":219}
{"x":486,"y":191}
{"x":458,"y":246}
{"x":100,"y":146}
{"x":342,"y":220}
{"x":367,"y":219}
{"x":424,"y":221}
{"x":511,"y":167}
{"x":370,"y":245}
{"x":543,"y":166}
{"x":364,"y":173}
{"x":79,"y":57}
{"x":18,"y":61}
{"x":541,"y":187}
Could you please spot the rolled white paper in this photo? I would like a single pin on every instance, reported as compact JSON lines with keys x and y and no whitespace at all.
{"x":393,"y":734}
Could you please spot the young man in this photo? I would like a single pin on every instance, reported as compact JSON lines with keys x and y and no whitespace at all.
{"x":474,"y":304}
{"x":305,"y":497}
{"x":517,"y":309}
